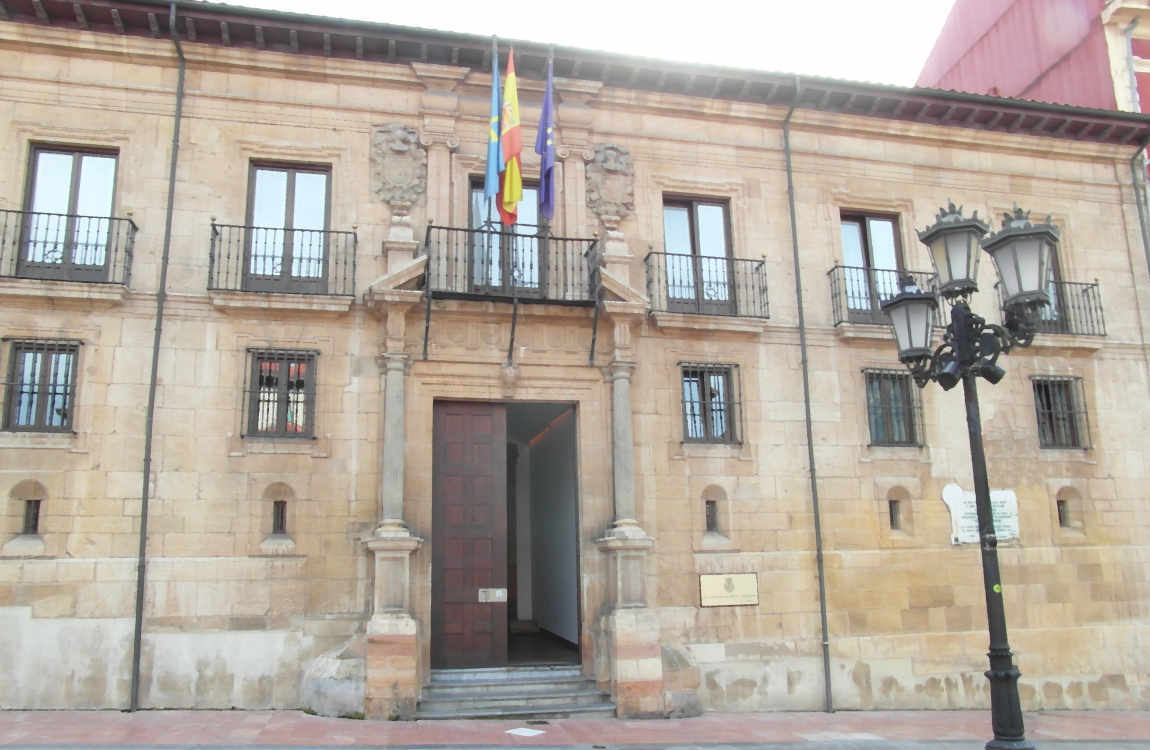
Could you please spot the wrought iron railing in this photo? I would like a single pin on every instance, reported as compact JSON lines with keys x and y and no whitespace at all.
{"x":704,"y":285}
{"x":1075,"y":308}
{"x":66,"y":247}
{"x":857,"y":293}
{"x":484,"y":263}
{"x":289,"y":261}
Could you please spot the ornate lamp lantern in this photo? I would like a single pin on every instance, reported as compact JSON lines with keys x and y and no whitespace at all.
{"x":911,"y":315}
{"x":970,"y":349}
{"x":953,"y":242}
{"x":1022,"y":253}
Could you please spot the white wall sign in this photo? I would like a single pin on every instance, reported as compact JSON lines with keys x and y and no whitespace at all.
{"x":964,"y":514}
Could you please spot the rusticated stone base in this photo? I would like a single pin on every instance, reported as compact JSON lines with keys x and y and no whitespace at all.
{"x":636,"y":663}
{"x":393,"y":685}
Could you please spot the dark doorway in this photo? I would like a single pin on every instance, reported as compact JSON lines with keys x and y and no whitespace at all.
{"x":469,"y":524}
{"x":530,"y":611}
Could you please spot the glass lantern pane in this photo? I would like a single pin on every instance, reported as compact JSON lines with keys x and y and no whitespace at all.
{"x":1029,"y":254}
{"x":958,"y":254}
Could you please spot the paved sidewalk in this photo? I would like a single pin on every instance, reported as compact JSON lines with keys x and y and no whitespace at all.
{"x":930,"y":730}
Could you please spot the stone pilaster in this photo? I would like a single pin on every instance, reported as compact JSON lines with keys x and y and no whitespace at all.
{"x":631,"y":629}
{"x":392,"y":685}
{"x":392,"y":458}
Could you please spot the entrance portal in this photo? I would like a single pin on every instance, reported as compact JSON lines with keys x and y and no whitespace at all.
{"x":505,"y":543}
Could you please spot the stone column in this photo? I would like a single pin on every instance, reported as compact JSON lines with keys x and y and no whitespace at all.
{"x":631,"y":629}
{"x":392,"y":460}
{"x":393,"y":675}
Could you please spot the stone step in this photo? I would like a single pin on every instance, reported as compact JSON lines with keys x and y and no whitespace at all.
{"x":504,"y":687}
{"x":505,"y":674}
{"x":485,"y":701}
{"x":605,"y":711}
{"x":537,"y":692}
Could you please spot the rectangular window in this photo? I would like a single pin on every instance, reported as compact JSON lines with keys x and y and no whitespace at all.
{"x":696,"y":240}
{"x":872,"y":261}
{"x":710,"y":402}
{"x":894,"y":408}
{"x":894,"y":514}
{"x":507,"y":258}
{"x":279,"y":517}
{"x":41,"y":388}
{"x":67,"y":229}
{"x":281,"y":394}
{"x":287,"y":239}
{"x":31,"y":517}
{"x":1060,"y":408}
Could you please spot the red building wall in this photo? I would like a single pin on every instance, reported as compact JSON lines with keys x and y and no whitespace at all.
{"x":1050,"y":50}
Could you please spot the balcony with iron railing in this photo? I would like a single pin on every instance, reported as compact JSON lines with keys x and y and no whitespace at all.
{"x":680,"y":283}
{"x":1075,"y":309}
{"x":66,"y":247}
{"x":857,"y":293}
{"x":283,"y":261}
{"x":510,"y":265}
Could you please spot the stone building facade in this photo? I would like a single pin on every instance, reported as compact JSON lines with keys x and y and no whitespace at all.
{"x":662,"y":398}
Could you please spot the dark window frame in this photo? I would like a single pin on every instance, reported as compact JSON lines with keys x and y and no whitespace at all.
{"x":699,"y":302}
{"x":1060,"y":412}
{"x":284,"y":281}
{"x":702,"y":421}
{"x":267,"y":406}
{"x":17,"y":409}
{"x":875,"y":281}
{"x":895,"y":413}
{"x":67,"y":269}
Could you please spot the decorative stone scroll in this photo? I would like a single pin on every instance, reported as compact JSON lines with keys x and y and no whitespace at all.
{"x":611,"y":197}
{"x":611,"y":183}
{"x":398,"y":174}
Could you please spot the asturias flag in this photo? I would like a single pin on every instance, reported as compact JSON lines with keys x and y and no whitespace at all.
{"x":494,"y":153}
{"x":511,"y":184}
{"x":545,"y":147}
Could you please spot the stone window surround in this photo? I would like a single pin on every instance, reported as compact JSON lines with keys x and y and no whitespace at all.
{"x":319,"y":444}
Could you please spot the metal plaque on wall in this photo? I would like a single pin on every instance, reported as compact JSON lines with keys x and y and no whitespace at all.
{"x":728,"y":589}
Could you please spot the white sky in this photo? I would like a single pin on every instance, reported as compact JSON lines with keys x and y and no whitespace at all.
{"x":884,"y":41}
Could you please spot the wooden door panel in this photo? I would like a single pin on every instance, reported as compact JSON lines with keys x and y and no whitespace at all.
{"x":469,"y":528}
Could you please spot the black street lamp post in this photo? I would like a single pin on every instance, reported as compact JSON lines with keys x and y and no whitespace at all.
{"x":969,"y":349}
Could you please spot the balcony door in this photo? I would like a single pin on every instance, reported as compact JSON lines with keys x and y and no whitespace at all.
{"x":507,"y":260}
{"x":285,"y":248}
{"x":698,"y":251}
{"x":872,"y":266}
{"x":66,"y":230}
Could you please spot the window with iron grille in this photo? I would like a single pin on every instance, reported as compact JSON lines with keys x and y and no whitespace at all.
{"x":281,"y":393}
{"x":1060,"y":407}
{"x":894,"y":408}
{"x":710,"y":403}
{"x":41,"y":390}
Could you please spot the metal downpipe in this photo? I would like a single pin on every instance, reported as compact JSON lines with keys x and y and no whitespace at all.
{"x":150,"y":414}
{"x":1138,"y":180}
{"x":828,"y":704}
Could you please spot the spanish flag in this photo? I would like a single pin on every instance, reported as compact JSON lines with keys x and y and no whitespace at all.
{"x":511,"y":139}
